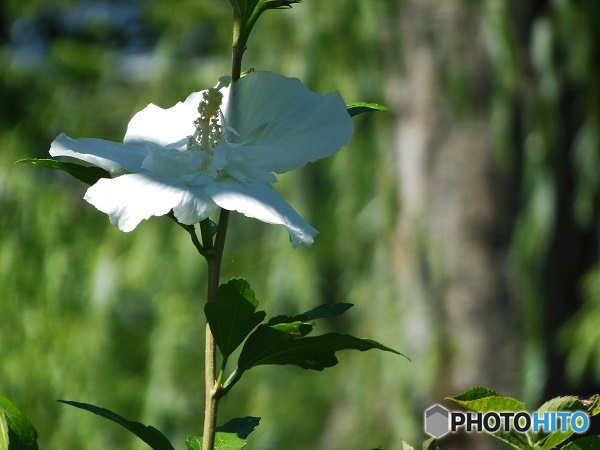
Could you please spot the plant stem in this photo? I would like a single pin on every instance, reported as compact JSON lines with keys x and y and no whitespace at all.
{"x":214,"y":255}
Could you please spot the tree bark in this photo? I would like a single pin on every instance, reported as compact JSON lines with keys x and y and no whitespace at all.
{"x":455,"y":217}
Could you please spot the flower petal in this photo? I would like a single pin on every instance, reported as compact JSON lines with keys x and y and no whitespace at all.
{"x":110,"y":156}
{"x":131,"y":198}
{"x":282,"y":124}
{"x":262,"y":202}
{"x":166,"y":127}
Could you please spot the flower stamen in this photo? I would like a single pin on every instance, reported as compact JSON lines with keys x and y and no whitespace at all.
{"x":208,"y":127}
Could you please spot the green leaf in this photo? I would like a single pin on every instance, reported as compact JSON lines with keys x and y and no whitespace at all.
{"x":150,"y":435}
{"x":3,"y":432}
{"x":233,"y":316}
{"x":15,"y":428}
{"x":429,"y":444}
{"x":242,"y":426}
{"x":88,"y":174}
{"x":278,"y":4}
{"x":565,"y":403}
{"x":481,"y":399}
{"x":229,"y":436}
{"x":277,"y":344}
{"x":357,"y":108}
{"x":320,"y":312}
{"x":586,"y":443}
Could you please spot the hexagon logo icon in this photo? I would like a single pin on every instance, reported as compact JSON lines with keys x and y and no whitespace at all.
{"x":437,"y":421}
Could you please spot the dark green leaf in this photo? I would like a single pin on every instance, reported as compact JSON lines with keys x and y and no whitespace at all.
{"x":429,"y":444}
{"x":150,"y":435}
{"x":327,"y":310}
{"x":320,"y":312}
{"x":242,"y":426}
{"x":586,"y":443}
{"x":229,"y":436}
{"x":233,"y":316}
{"x":88,"y":174}
{"x":15,"y":428}
{"x":277,"y":4}
{"x":274,"y":345}
{"x":357,"y":108}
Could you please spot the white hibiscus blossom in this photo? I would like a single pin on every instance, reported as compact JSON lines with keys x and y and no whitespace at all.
{"x":220,"y":148}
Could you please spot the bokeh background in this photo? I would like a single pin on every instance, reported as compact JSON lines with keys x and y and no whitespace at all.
{"x":463,"y":226}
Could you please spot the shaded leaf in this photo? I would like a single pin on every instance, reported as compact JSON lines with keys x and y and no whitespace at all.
{"x":233,"y":316}
{"x":357,"y":108}
{"x":429,"y":444}
{"x":278,"y":345}
{"x":242,"y":426}
{"x":88,"y":174}
{"x":320,"y":312}
{"x":150,"y":435}
{"x":15,"y":427}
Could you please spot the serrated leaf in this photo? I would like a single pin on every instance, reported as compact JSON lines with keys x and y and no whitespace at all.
{"x":481,"y":399}
{"x":150,"y":435}
{"x":357,"y":108}
{"x":274,"y":345}
{"x":592,"y":405}
{"x":17,"y":429}
{"x":88,"y":174}
{"x":232,"y":317}
{"x":586,"y":443}
{"x":564,"y":403}
{"x":229,"y":436}
{"x":320,"y":312}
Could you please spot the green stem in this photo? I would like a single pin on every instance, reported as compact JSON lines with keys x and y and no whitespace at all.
{"x":214,"y":255}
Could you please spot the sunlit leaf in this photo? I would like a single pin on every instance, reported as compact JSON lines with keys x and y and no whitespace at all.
{"x":3,"y":432}
{"x":357,"y":108}
{"x":150,"y":435}
{"x":229,"y":436}
{"x":481,"y":399}
{"x":88,"y":174}
{"x":564,"y":403}
{"x":586,"y":443}
{"x":15,"y":428}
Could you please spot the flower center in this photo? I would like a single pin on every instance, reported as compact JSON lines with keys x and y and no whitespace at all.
{"x":208,"y":124}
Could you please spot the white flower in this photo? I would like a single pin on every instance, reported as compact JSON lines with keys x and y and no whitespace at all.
{"x":220,"y":148}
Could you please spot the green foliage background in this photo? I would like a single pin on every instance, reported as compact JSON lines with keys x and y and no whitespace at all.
{"x":91,"y":314}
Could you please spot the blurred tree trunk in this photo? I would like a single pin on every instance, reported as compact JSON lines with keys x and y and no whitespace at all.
{"x":456,"y":212}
